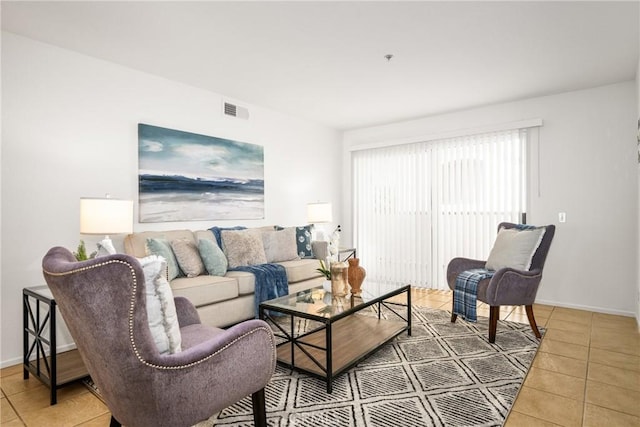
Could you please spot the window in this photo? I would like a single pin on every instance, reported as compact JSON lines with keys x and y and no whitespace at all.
{"x":417,"y":206}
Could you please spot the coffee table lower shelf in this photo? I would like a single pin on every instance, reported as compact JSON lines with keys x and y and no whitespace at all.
{"x":353,"y":338}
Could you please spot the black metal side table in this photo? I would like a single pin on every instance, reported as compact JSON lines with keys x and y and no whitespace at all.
{"x":349,"y":252}
{"x":40,"y":357}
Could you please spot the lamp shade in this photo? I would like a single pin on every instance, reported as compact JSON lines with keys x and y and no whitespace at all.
{"x":319,"y":212}
{"x":106,"y":216}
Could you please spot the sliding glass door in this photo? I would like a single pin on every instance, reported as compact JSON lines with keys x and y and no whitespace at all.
{"x":417,"y":206}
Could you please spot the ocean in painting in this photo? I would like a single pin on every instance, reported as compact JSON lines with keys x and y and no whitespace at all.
{"x":182,"y":198}
{"x":186,"y":176}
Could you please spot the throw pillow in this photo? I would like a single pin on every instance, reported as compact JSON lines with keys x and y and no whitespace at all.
{"x":214,"y":260}
{"x":514,"y":248}
{"x":161,"y":247}
{"x":243,"y":247}
{"x":188,"y":257}
{"x":217,"y":232}
{"x":303,"y":240}
{"x":161,"y":309}
{"x":280,"y":245}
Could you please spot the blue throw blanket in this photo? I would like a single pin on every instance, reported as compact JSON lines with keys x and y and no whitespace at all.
{"x":466,"y":292}
{"x":524,"y":227}
{"x":271,"y":282}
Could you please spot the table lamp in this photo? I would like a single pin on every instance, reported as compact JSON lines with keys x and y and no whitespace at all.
{"x":319,"y":213}
{"x":105,"y":216}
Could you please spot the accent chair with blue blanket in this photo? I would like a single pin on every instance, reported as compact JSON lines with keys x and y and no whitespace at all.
{"x":510,"y":276}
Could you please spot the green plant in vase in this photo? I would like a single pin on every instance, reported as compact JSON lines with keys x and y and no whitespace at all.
{"x":324,"y":270}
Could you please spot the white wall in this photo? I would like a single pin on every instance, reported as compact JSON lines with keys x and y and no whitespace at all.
{"x":587,"y":169}
{"x":638,"y":236}
{"x":70,"y":130}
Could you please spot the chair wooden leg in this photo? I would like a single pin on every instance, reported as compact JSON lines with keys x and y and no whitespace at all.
{"x":259,"y":408}
{"x":494,"y":315}
{"x":114,"y":422}
{"x":532,"y":320}
{"x":453,"y":315}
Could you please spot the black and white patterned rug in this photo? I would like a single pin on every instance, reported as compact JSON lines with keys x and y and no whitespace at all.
{"x":445,"y":374}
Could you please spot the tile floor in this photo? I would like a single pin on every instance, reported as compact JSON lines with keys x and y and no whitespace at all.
{"x":586,"y":373}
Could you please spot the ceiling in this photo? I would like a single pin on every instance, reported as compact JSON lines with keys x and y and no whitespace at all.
{"x":325,"y":61}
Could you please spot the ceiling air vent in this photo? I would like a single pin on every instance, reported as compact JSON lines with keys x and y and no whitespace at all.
{"x":233,"y":110}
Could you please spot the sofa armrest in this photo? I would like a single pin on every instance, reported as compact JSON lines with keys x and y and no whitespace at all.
{"x":509,"y":286}
{"x":458,"y":265}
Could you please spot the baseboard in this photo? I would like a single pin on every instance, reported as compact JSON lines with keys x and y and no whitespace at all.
{"x":588,"y":308}
{"x":18,"y":360}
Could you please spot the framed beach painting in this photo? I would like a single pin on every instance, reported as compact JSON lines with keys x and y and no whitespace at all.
{"x":190,"y":177}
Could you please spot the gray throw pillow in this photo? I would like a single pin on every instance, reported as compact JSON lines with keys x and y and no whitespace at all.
{"x":280,"y":245}
{"x":214,"y":259}
{"x":514,"y":248}
{"x":243,"y":247}
{"x":303,"y":240}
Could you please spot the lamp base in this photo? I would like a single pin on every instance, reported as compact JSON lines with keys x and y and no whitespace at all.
{"x":105,"y":247}
{"x":320,"y":235}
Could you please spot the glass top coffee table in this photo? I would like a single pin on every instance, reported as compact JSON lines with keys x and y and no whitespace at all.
{"x":324,"y":335}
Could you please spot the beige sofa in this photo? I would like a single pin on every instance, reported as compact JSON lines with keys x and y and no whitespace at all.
{"x":225,"y":300}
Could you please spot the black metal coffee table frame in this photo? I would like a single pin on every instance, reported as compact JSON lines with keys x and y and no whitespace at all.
{"x":321,"y":338}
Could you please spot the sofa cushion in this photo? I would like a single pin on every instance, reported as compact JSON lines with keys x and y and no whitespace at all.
{"x":135,"y":243}
{"x":300,"y":270}
{"x":243,"y":247}
{"x":228,"y":313}
{"x":203,"y":290}
{"x":161,"y":309}
{"x":297,"y":271}
{"x":162,"y":247}
{"x":214,"y":259}
{"x":188,"y":257}
{"x":204,"y":235}
{"x":246,"y":281}
{"x":280,"y":245}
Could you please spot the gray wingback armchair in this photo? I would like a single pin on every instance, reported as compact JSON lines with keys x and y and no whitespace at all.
{"x":103,"y":304}
{"x":508,"y":286}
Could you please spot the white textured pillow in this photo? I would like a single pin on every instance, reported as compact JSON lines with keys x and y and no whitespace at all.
{"x":243,"y":247}
{"x":280,"y":245}
{"x":161,"y":309}
{"x":514,"y":248}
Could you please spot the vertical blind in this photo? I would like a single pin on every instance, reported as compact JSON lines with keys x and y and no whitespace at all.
{"x":416,"y":206}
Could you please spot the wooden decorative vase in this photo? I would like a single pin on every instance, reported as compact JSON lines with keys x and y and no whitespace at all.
{"x":356,"y":276}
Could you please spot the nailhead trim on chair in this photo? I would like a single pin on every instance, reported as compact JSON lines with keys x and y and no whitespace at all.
{"x":131,"y":310}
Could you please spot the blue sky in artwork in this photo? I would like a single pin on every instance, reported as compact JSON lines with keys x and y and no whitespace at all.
{"x":168,"y":151}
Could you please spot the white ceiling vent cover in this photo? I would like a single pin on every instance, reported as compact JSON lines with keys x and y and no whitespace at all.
{"x":233,"y":110}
